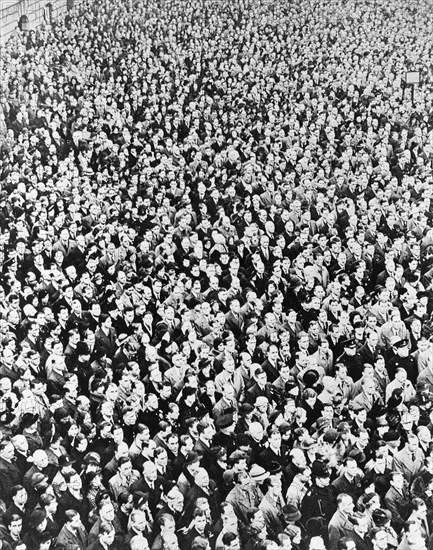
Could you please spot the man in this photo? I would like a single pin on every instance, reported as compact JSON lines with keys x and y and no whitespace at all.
{"x":260,"y":388}
{"x":73,"y":534}
{"x":319,"y":500}
{"x":18,"y":505}
{"x":10,"y":531}
{"x":244,"y":496}
{"x":106,"y":514}
{"x":369,"y":395}
{"x":203,"y":488}
{"x":271,"y":366}
{"x":397,"y":501}
{"x":349,"y":482}
{"x":272,"y":504}
{"x":340,"y":526}
{"x":410,"y":459}
{"x":419,"y":516}
{"x":139,"y":526}
{"x":276,"y":452}
{"x":401,"y":382}
{"x":9,"y":472}
{"x":124,"y":478}
{"x":105,"y":539}
{"x":379,"y":538}
{"x":150,"y":483}
{"x":230,"y":375}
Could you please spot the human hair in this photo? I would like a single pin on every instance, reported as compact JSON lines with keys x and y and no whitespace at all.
{"x":199,"y":543}
{"x":105,"y":528}
{"x":16,"y":489}
{"x":228,"y":538}
{"x":13,"y":518}
{"x":164,"y":518}
{"x":341,"y":497}
{"x":416,"y":503}
{"x":342,"y":543}
{"x":70,"y":515}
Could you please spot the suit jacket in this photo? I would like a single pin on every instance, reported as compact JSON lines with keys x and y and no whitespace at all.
{"x":71,"y":541}
{"x":268,"y":455}
{"x":364,"y":401}
{"x":235,"y":324}
{"x":255,"y":391}
{"x":404,"y":463}
{"x":154,"y":494}
{"x":338,"y":527}
{"x":426,"y":377}
{"x":106,"y":343}
{"x":399,"y":506}
{"x":271,"y":371}
{"x":9,"y":476}
{"x":243,"y":500}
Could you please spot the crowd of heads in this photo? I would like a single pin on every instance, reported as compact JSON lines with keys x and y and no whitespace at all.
{"x":216,"y":286}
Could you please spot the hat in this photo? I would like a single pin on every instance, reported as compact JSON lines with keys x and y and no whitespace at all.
{"x":236,"y":456}
{"x":28,"y":420}
{"x":319,"y":469}
{"x":310,"y":377}
{"x":82,"y":348}
{"x":257,"y":473}
{"x":321,"y":425}
{"x":357,"y":455}
{"x":37,"y":478}
{"x":391,"y":436}
{"x":261,"y":401}
{"x":246,"y":408}
{"x":37,"y":517}
{"x":65,"y":460}
{"x":122,"y":339}
{"x":139,"y":498}
{"x":92,"y":458}
{"x":274,"y":468}
{"x":224,"y":421}
{"x":191,"y":458}
{"x":400,"y":343}
{"x":350,"y":343}
{"x":218,"y":452}
{"x":380,"y":517}
{"x":284,"y":427}
{"x":330,"y":435}
{"x":344,"y":427}
{"x":308,"y":443}
{"x":291,"y":513}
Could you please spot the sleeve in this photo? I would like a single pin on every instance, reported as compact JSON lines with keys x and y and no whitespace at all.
{"x":334,"y":536}
{"x":397,"y":519}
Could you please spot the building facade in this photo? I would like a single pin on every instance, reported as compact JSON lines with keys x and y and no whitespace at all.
{"x":28,"y":14}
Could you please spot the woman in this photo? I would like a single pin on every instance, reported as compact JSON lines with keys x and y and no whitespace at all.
{"x":312,"y":406}
{"x":92,"y":487}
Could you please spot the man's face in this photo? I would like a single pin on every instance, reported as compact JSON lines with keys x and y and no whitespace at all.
{"x":176,"y":501}
{"x":15,"y":528}
{"x":347,"y":505}
{"x":107,"y":512}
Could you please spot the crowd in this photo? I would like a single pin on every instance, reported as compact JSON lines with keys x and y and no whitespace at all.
{"x":216,"y":286}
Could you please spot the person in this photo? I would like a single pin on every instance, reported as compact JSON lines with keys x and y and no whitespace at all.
{"x":73,"y":534}
{"x":105,"y":538}
{"x":397,"y":500}
{"x":340,"y":525}
{"x":175,"y":210}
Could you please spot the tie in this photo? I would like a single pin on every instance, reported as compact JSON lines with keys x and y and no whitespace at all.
{"x":413,"y":457}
